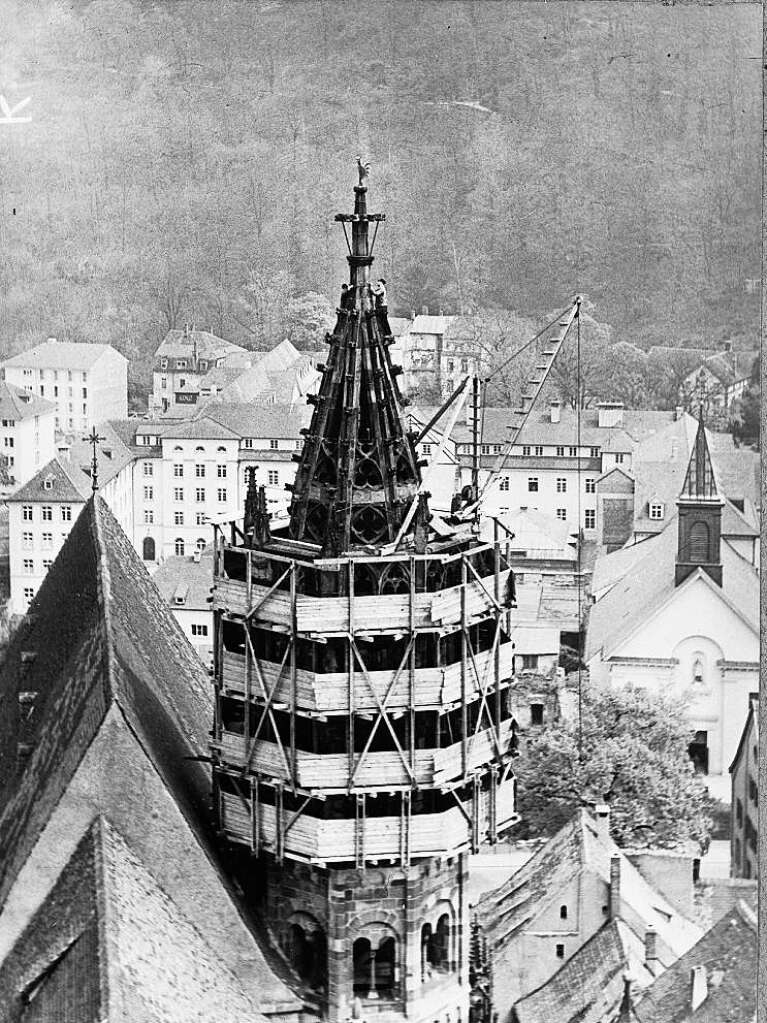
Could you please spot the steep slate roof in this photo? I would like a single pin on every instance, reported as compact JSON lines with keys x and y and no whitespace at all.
{"x":648,"y":582}
{"x":578,"y":847}
{"x":16,"y":403}
{"x":204,"y":428}
{"x":115,"y":903}
{"x":590,"y":983}
{"x":62,"y":355}
{"x":98,"y":644}
{"x":751,"y":724}
{"x":728,"y":954}
{"x":67,"y":484}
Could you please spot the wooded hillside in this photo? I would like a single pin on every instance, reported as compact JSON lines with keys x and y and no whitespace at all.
{"x":185,"y":160}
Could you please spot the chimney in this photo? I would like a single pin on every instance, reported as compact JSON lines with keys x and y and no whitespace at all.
{"x":610,"y":413}
{"x":424,"y":310}
{"x":556,"y":411}
{"x":602,"y":818}
{"x":678,"y":413}
{"x":615,"y":887}
{"x":651,"y":948}
{"x":625,"y":1010}
{"x":699,"y":985}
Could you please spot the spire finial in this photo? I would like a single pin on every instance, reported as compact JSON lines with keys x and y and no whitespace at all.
{"x":93,"y":439}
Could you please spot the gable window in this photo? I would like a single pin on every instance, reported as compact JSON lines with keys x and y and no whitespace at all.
{"x":427,"y":449}
{"x":619,"y":458}
{"x":199,"y":630}
{"x":560,"y":951}
{"x":563,"y":912}
{"x":656,"y":510}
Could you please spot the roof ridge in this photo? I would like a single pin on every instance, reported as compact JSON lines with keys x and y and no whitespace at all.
{"x":103,"y":592}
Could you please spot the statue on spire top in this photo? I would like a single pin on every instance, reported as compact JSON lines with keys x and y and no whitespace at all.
{"x":363,"y":169}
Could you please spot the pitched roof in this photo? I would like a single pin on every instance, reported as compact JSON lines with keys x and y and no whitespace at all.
{"x":728,"y":955}
{"x":751,"y":725}
{"x":590,"y":984}
{"x":279,"y":421}
{"x":578,"y":847}
{"x":62,"y":355}
{"x":99,"y":646}
{"x":57,"y":481}
{"x":114,"y":901}
{"x":16,"y":403}
{"x":181,"y":343}
{"x":177,"y":577}
{"x":202,"y":428}
{"x":641,"y":580}
{"x":97,"y":618}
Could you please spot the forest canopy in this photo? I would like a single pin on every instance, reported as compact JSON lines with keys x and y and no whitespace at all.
{"x":184,"y":162}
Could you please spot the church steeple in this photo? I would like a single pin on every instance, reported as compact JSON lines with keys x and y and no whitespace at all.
{"x":358,"y":473}
{"x":700,"y":515}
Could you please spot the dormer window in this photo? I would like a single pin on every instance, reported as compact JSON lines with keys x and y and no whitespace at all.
{"x":657,"y":510}
{"x":163,"y":363}
{"x":48,"y":483}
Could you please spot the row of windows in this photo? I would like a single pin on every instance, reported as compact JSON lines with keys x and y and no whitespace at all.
{"x":533,"y":484}
{"x":55,"y":374}
{"x":28,"y":540}
{"x":199,"y":470}
{"x":28,"y":512}
{"x":28,"y":565}
{"x":200,"y":518}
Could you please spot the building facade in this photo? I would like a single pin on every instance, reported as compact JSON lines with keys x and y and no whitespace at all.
{"x":27,"y":438}
{"x":679,"y":613}
{"x":744,"y":777}
{"x":87,"y":383}
{"x":183,"y":358}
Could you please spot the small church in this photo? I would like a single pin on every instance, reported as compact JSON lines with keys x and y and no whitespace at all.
{"x":678,"y":613}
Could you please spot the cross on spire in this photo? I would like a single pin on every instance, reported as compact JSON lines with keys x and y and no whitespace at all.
{"x":93,"y":439}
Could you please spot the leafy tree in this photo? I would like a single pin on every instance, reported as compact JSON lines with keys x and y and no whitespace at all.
{"x":745,"y":417}
{"x":309,"y":317}
{"x":633,"y":757}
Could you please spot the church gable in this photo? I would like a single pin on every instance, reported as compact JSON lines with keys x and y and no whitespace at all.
{"x":696,"y":607}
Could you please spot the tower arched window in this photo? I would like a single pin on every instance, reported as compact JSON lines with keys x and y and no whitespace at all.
{"x":386,"y":967}
{"x":441,"y":942}
{"x":699,"y":542}
{"x":148,"y":549}
{"x":426,"y":949}
{"x":362,"y":961}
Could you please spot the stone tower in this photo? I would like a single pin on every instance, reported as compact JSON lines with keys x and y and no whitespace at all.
{"x":363,"y":737}
{"x":700,"y":515}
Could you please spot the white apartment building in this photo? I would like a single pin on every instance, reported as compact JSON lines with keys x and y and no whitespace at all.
{"x":42,"y":511}
{"x":26,"y":433}
{"x":87,"y":383}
